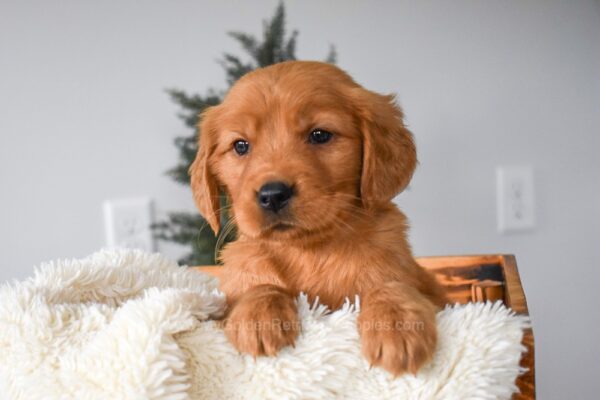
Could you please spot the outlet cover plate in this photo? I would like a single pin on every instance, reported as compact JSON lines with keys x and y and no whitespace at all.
{"x":127,"y":223}
{"x":515,"y":198}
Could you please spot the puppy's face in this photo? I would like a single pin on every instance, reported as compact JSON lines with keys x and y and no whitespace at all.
{"x":298,"y":146}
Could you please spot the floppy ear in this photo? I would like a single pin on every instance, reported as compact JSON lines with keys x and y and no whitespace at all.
{"x":389,"y":155}
{"x":203,"y":181}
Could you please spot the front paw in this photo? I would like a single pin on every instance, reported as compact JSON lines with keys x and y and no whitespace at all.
{"x":262,"y":321}
{"x":398,"y":338}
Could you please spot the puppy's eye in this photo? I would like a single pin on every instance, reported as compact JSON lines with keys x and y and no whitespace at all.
{"x":319,"y":136}
{"x":241,"y":147}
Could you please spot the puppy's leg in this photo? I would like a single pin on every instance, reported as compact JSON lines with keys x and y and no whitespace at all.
{"x":398,"y":328}
{"x":263,"y":320}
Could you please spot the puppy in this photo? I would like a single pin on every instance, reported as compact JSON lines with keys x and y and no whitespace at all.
{"x":311,"y":161}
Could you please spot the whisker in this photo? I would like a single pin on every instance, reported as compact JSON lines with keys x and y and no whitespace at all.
{"x":223,"y":234}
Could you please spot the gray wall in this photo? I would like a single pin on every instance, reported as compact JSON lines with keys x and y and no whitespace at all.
{"x":83,"y":118}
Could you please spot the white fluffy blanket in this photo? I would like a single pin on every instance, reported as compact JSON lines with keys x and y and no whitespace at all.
{"x":129,"y":325}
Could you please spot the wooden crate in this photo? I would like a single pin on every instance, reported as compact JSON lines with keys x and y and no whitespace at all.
{"x":479,"y":278}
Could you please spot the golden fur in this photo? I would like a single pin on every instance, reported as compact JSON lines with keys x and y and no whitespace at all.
{"x":340,"y":235}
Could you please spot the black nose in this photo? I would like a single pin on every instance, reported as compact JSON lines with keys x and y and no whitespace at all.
{"x":274,"y":196}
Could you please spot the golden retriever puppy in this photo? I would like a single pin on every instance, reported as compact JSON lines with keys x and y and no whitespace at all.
{"x":311,"y":162}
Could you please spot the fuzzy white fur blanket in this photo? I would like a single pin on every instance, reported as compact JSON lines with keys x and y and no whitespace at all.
{"x":129,"y":325}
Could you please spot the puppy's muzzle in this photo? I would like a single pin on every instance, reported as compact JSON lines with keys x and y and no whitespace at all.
{"x":274,"y":196}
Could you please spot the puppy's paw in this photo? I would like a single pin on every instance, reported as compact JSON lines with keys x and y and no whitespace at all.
{"x":397,"y":337}
{"x":262,"y":321}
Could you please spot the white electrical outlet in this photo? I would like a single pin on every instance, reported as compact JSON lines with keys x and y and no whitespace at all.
{"x":515,"y":198}
{"x":127,"y":224}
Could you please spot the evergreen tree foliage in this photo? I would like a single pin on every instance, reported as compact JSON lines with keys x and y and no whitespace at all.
{"x":190,"y":229}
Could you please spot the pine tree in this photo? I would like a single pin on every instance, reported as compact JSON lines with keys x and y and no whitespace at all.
{"x":190,"y":229}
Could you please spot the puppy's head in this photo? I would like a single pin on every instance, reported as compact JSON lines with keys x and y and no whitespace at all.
{"x":297,"y":145}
